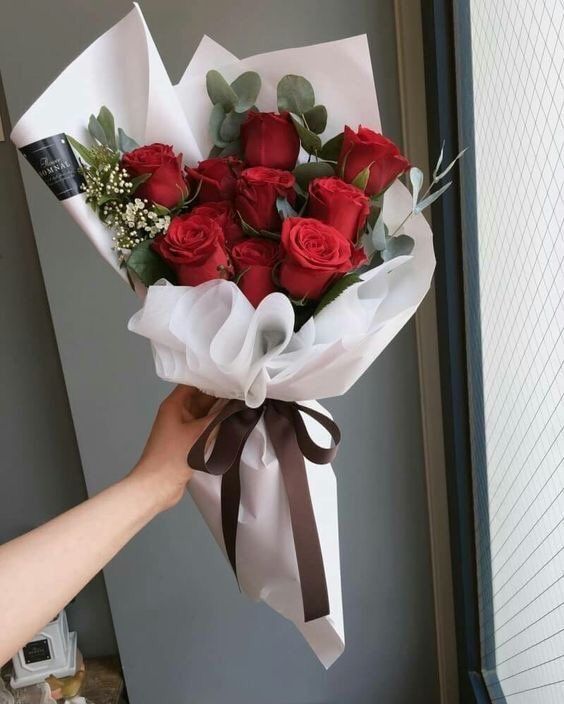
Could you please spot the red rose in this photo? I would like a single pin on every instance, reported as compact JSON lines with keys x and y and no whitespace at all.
{"x":313,"y":255}
{"x":166,"y":185}
{"x":217,"y":176}
{"x":339,"y":204}
{"x":269,"y":139}
{"x":255,"y":259}
{"x":194,"y":247}
{"x":367,"y":148}
{"x":226,"y":217}
{"x":256,"y":194}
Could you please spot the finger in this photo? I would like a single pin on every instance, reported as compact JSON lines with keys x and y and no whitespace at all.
{"x":201,"y":404}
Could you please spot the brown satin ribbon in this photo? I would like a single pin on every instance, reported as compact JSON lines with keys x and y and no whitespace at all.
{"x":291,"y":442}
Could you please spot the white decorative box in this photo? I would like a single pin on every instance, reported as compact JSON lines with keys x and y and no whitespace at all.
{"x":51,"y":652}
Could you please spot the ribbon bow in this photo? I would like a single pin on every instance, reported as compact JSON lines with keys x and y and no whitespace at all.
{"x":291,"y":442}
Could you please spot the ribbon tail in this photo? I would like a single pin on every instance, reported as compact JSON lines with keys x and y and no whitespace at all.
{"x":309,"y":557}
{"x":230,"y":501}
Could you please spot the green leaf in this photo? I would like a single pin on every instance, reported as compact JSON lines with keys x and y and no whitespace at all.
{"x":231,"y":126}
{"x":220,"y":92}
{"x":295,"y":94}
{"x":84,"y":153}
{"x":148,"y":266}
{"x":336,"y":290}
{"x":96,"y":130}
{"x":332,"y":148}
{"x":107,"y":122}
{"x":305,"y":173}
{"x":397,"y":247}
{"x":284,"y":209}
{"x":215,"y":151}
{"x":246,"y":87}
{"x":217,"y":116}
{"x":138,"y":180}
{"x":361,"y":179}
{"x":125,"y":143}
{"x":316,"y":119}
{"x":309,"y":140}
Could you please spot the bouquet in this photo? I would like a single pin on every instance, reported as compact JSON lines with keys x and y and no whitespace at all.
{"x":276,"y":253}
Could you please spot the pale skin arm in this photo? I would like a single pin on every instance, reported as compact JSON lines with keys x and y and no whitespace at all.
{"x":88,"y":536}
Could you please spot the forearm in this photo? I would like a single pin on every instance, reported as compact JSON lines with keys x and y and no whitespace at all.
{"x":41,"y":571}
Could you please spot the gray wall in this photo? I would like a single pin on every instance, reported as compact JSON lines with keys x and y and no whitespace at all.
{"x":40,"y":472}
{"x":184,"y":632}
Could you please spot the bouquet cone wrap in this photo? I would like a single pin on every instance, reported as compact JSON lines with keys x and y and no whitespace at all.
{"x":210,"y":336}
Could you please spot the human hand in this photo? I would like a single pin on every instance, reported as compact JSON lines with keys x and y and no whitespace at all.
{"x":181,"y":419}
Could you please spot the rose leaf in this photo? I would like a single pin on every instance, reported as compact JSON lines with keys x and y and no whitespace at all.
{"x":148,"y":266}
{"x":305,"y":173}
{"x":332,"y":148}
{"x":336,"y":290}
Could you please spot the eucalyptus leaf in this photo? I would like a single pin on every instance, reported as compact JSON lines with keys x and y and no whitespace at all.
{"x":332,"y":148}
{"x":148,"y":266}
{"x":107,"y":122}
{"x":217,"y":116}
{"x":336,"y":290}
{"x":361,"y":179}
{"x":439,"y":161}
{"x":397,"y":247}
{"x":305,"y":173}
{"x":215,"y":151}
{"x":96,"y":130}
{"x":309,"y":140}
{"x":378,"y":234}
{"x":431,"y":198}
{"x":295,"y":94}
{"x":220,"y":92}
{"x":84,"y":153}
{"x":316,"y":119}
{"x":443,"y":173}
{"x":231,"y":126}
{"x":416,"y":178}
{"x":246,"y":87}
{"x":126,"y":143}
{"x":232,"y":149}
{"x":284,"y":209}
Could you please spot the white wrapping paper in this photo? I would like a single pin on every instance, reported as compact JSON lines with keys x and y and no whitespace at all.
{"x":210,"y":336}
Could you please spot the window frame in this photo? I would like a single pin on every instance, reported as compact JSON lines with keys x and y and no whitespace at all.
{"x":447,"y":46}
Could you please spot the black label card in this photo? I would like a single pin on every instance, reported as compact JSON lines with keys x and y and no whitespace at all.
{"x":37,"y":651}
{"x":54,"y":160}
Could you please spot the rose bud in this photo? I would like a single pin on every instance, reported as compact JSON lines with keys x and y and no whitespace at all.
{"x":313,"y":256}
{"x":194,"y":247}
{"x":269,"y":139}
{"x":226,"y":217}
{"x":339,"y":204}
{"x":166,"y":184}
{"x":217,"y":178}
{"x":255,"y":259}
{"x":256,"y":194}
{"x":367,"y":148}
